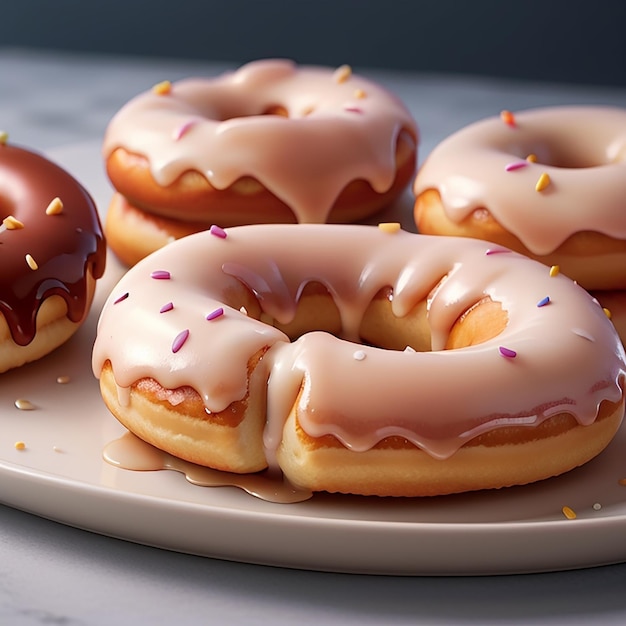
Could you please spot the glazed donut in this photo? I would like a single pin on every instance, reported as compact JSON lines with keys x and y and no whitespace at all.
{"x":269,"y":143}
{"x":549,"y":183}
{"x":52,"y":252}
{"x":360,"y":360}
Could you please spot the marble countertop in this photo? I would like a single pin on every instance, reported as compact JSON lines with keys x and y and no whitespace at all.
{"x":55,"y":574}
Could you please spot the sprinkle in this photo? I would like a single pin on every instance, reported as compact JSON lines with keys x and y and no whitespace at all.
{"x":243,"y":310}
{"x":183,"y":129}
{"x":121,"y":298}
{"x":531,"y":158}
{"x":569,"y":513}
{"x":554,"y":271}
{"x":55,"y":207}
{"x":57,"y":449}
{"x":389,"y":227}
{"x":410,"y":349}
{"x":31,"y":262}
{"x":217,"y":231}
{"x":24,"y":405}
{"x":597,"y":506}
{"x":352,"y":109}
{"x":179,"y":340}
{"x":12,"y":223}
{"x":162,"y":88}
{"x":516,"y":165}
{"x":543,"y":301}
{"x":543,"y":182}
{"x":491,"y":251}
{"x":508,"y":118}
{"x":622,"y":482}
{"x":20,"y":445}
{"x":166,"y":307}
{"x":4,"y":137}
{"x":359,"y":355}
{"x":607,"y":312}
{"x":359,"y":94}
{"x":63,"y":380}
{"x":342,"y":74}
{"x":160,"y":275}
{"x":215,"y":314}
{"x":507,"y":352}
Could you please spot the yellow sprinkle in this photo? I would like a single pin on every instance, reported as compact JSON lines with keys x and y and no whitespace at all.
{"x":31,"y":262}
{"x":20,"y":445}
{"x":4,"y":137}
{"x":569,"y":513}
{"x":55,"y":207}
{"x":543,"y":182}
{"x":389,"y":227}
{"x":554,"y":271}
{"x":63,"y":380}
{"x":507,"y":117}
{"x":12,"y":223}
{"x":162,"y":88}
{"x":342,"y":74}
{"x":531,"y":158}
{"x":24,"y":405}
{"x":607,"y":312}
{"x":359,"y":94}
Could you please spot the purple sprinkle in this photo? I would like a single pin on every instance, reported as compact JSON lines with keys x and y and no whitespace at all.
{"x":122,"y":297}
{"x":217,"y":231}
{"x":352,"y":109}
{"x":507,"y":352}
{"x":160,"y":275}
{"x":496,"y":251}
{"x":516,"y":165}
{"x":183,"y":129}
{"x":215,"y":314}
{"x":544,"y":301}
{"x":179,"y":340}
{"x":166,"y":307}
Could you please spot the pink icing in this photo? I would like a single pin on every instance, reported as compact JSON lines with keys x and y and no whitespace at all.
{"x":582,"y":149}
{"x":561,"y":357}
{"x":216,"y":126}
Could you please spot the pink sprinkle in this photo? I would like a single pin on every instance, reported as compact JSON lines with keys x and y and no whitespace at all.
{"x":121,"y":298}
{"x":179,"y":341}
{"x":183,"y":129}
{"x":215,"y":314}
{"x":490,"y":251}
{"x":353,"y":109}
{"x":516,"y":165}
{"x":507,"y":352}
{"x":160,"y":275}
{"x":166,"y":307}
{"x":217,"y":231}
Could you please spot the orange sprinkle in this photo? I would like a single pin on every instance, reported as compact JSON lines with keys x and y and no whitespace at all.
{"x":543,"y":182}
{"x":389,"y":227}
{"x":607,"y":312}
{"x":531,"y":158}
{"x":31,"y":262}
{"x":162,"y":88}
{"x":63,"y":380}
{"x":508,"y":118}
{"x":24,"y":405}
{"x":55,"y":207}
{"x":20,"y":445}
{"x":359,"y":94}
{"x":12,"y":223}
{"x":4,"y":137}
{"x":342,"y":74}
{"x":569,"y":513}
{"x":554,"y":271}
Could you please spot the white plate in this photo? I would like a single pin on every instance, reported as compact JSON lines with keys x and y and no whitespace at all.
{"x":61,"y":475}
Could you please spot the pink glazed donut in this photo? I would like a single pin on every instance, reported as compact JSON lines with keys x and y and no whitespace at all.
{"x":360,"y":360}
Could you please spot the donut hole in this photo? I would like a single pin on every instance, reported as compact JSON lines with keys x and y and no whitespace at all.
{"x":562,"y":154}
{"x":232,"y":112}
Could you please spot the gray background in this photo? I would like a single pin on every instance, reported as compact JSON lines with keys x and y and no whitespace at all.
{"x":577,"y":41}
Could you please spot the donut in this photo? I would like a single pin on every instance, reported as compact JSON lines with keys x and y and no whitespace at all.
{"x":52,"y":251}
{"x":272,"y":142}
{"x":549,"y":183}
{"x":360,"y":359}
